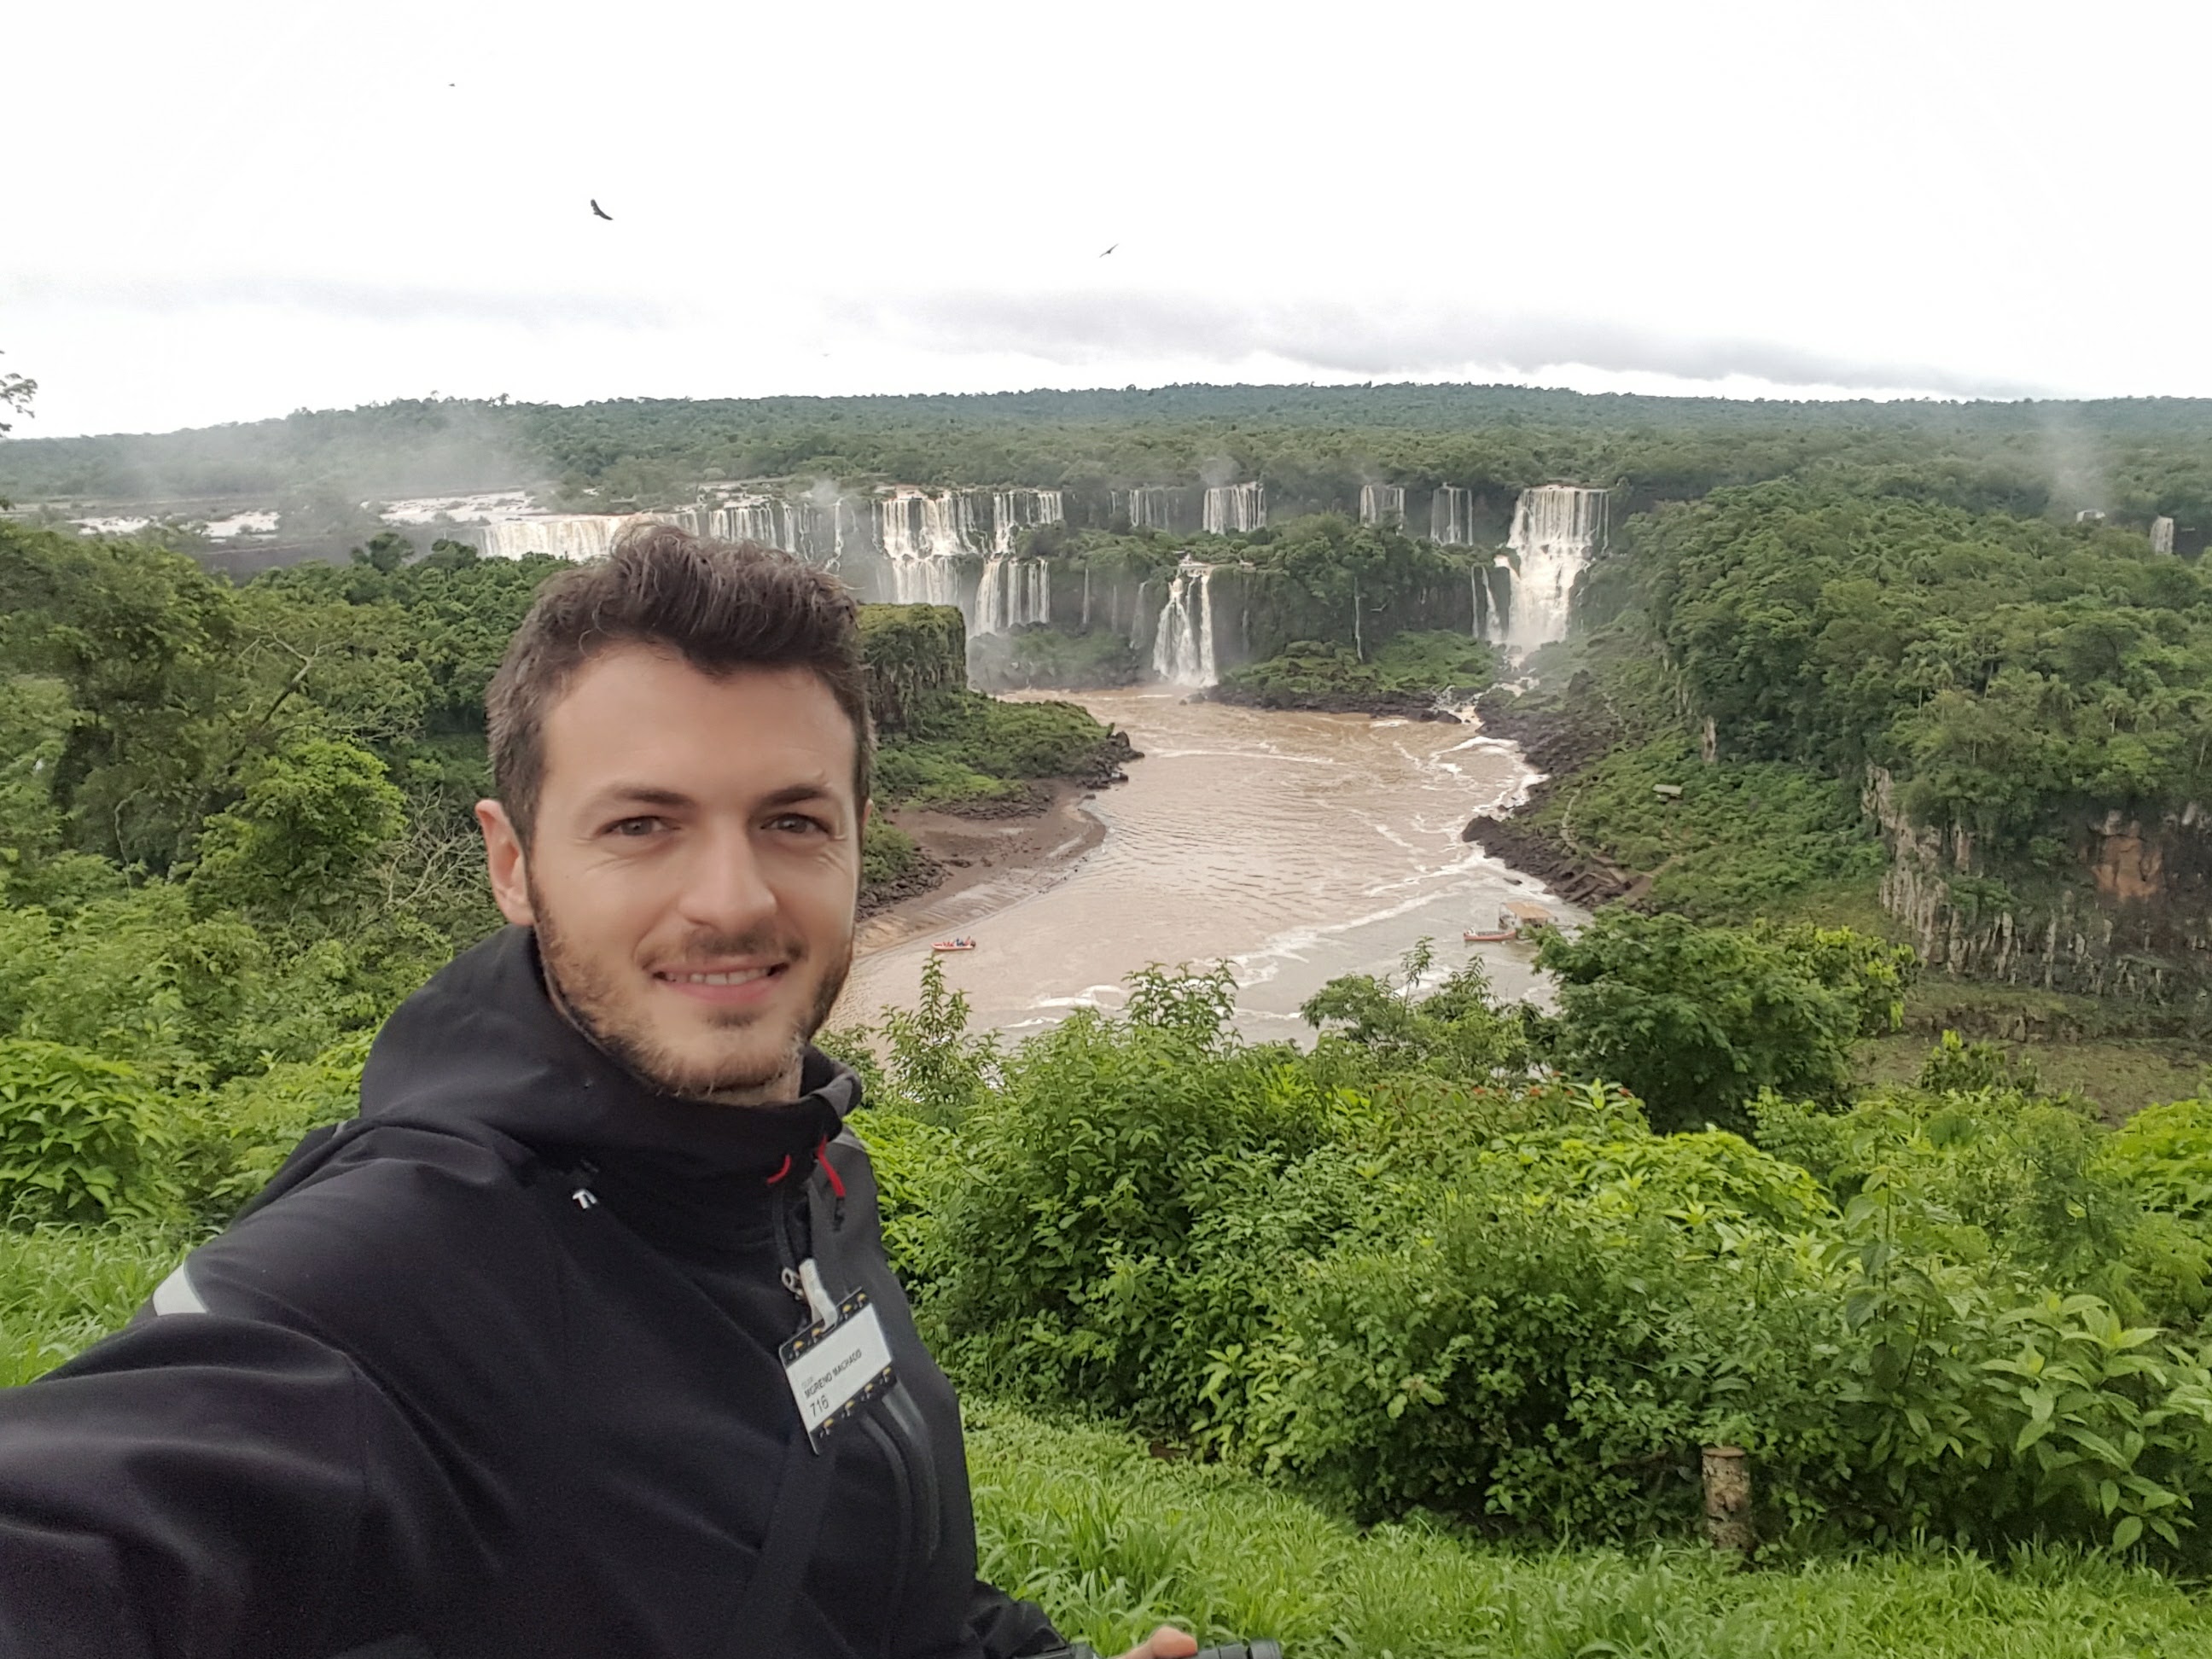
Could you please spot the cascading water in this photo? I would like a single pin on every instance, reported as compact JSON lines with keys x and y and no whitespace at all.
{"x":1556,"y":529}
{"x":1452,"y":516}
{"x":1182,"y":644}
{"x":1014,"y":593}
{"x":1013,"y":510}
{"x":2161,"y":535}
{"x":926,"y":535}
{"x":1147,"y":507}
{"x":1381,"y":504}
{"x":1231,"y":510}
{"x":566,"y":536}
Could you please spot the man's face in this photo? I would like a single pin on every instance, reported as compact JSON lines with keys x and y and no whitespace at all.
{"x":693,"y":869}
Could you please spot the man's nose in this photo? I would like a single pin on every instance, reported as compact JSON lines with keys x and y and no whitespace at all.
{"x":724,"y":887}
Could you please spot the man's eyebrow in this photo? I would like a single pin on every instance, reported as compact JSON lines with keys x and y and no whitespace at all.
{"x":638,"y":794}
{"x":792,"y":794}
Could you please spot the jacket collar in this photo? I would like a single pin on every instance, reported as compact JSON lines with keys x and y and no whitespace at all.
{"x":482,"y":1044}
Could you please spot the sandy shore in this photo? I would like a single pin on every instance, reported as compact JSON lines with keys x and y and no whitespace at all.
{"x":990,"y":863}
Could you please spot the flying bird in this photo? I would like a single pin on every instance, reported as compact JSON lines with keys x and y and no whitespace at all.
{"x":1109,"y":250}
{"x":601,"y":211}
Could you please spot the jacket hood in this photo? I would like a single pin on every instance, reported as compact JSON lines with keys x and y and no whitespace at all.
{"x":482,"y":1045}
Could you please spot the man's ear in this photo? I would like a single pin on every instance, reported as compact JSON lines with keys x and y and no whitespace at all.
{"x":507,"y":863}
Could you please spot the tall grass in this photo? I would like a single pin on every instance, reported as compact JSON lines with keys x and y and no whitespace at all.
{"x":1112,"y":1542}
{"x":63,"y":1288}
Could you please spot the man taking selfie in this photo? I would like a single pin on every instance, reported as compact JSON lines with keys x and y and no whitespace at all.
{"x":580,"y":1339}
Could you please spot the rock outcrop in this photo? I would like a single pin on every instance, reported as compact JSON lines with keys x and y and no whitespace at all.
{"x":2130,"y":918}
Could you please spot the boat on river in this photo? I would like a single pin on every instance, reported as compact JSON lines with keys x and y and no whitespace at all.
{"x":1513,"y":921}
{"x":948,"y":944}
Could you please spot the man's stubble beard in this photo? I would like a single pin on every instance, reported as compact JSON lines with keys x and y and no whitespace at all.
{"x":588,"y":1000}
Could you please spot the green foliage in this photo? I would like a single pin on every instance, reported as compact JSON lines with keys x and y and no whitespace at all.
{"x":960,"y":746}
{"x":1698,"y":1020}
{"x":231,"y":1142}
{"x":2012,"y":673}
{"x":313,"y":818}
{"x":80,"y":1139}
{"x":1111,"y":1231}
{"x":1743,"y":839}
{"x":2164,"y":1155}
{"x":932,"y":1069}
{"x":1455,"y":1030}
{"x":64,"y":1288}
{"x":887,"y":852}
{"x":1415,"y":668}
{"x":1115,"y":1542}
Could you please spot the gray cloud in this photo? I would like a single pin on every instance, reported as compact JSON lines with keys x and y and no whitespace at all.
{"x":1384,"y":338}
{"x":338,"y":299}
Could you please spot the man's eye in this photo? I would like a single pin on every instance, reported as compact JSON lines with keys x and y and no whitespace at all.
{"x":801,"y":822}
{"x":633,"y":828}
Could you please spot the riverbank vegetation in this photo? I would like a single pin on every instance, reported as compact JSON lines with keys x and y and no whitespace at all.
{"x":1411,"y":673}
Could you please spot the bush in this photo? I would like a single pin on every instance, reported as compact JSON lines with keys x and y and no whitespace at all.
{"x":80,"y":1138}
{"x":1125,"y":1169}
{"x":231,"y":1142}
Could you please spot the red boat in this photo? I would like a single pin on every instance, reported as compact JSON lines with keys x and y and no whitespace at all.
{"x":954,"y":945}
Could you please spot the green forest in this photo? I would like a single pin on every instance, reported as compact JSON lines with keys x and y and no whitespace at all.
{"x":1315,"y":445}
{"x":1404,"y":1338}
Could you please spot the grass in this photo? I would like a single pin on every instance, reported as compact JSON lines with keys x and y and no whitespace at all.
{"x":1112,"y":1543}
{"x":2122,"y":1075}
{"x":61,"y":1288}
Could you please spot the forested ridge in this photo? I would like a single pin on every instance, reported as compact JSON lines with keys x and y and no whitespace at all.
{"x":2135,"y":458}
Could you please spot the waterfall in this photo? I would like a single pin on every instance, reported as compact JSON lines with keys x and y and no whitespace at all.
{"x":924,"y":536}
{"x":1556,"y":529}
{"x":1013,"y":593}
{"x":1381,"y":504}
{"x":2161,"y":535}
{"x":564,"y":535}
{"x":1147,"y":507}
{"x":1182,"y":645}
{"x":1016,"y":510}
{"x":755,"y":519}
{"x":1231,"y":510}
{"x":1452,"y":516}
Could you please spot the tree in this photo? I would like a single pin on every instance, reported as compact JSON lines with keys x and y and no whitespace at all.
{"x":15,"y":394}
{"x":1695,"y":1020}
{"x":314,"y":817}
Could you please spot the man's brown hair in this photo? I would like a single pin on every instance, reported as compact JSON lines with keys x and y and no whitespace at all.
{"x":722,"y":605}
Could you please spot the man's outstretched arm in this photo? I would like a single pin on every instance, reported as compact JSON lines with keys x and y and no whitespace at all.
{"x":199,"y":1486}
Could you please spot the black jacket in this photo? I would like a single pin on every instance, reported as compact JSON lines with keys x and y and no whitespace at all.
{"x":492,"y":1370}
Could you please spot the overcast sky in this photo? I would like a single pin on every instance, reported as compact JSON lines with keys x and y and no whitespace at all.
{"x":229,"y":210}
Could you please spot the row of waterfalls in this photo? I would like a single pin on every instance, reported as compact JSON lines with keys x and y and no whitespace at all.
{"x":959,"y":548}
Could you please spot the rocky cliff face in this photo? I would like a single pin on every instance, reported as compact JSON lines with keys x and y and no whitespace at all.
{"x":2135,"y":921}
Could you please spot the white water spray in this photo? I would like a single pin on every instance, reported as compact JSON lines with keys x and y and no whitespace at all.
{"x":1556,"y":529}
{"x":1231,"y":510}
{"x":1182,"y":644}
{"x":1383,"y":504}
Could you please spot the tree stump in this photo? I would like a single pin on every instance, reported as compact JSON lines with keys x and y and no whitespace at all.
{"x":1728,"y":1501}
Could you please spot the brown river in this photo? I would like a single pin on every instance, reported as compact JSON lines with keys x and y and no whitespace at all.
{"x":1296,"y":847}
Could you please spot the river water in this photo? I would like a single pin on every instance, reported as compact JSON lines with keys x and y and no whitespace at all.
{"x":1297,"y":846}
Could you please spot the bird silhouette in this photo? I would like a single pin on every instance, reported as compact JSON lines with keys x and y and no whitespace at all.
{"x":601,"y":211}
{"x":1109,"y":250}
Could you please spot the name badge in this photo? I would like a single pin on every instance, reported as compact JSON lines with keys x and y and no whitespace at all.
{"x":836,"y":1369}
